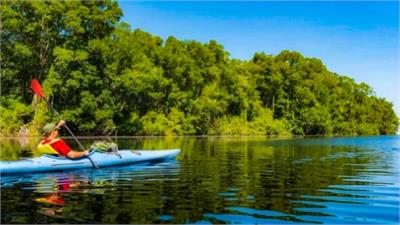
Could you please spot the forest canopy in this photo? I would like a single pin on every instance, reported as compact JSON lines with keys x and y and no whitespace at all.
{"x":107,"y":79}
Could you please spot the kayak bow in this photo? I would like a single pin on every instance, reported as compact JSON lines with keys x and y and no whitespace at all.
{"x":47,"y":163}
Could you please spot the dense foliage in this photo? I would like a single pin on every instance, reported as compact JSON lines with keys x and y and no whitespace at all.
{"x":105,"y":78}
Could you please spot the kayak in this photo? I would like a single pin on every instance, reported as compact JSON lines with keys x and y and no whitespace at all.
{"x":48,"y":163}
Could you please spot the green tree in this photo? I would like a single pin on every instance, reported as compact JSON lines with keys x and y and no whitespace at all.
{"x":105,"y":78}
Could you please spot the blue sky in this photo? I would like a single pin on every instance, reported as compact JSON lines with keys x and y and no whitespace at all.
{"x":357,"y":39}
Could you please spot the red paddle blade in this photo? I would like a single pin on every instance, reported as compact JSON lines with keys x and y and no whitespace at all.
{"x":37,"y":88}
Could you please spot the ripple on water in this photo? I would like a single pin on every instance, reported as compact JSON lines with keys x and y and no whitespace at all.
{"x":361,"y":212}
{"x":241,"y":219}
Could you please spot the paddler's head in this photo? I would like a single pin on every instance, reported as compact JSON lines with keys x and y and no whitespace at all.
{"x":50,"y":130}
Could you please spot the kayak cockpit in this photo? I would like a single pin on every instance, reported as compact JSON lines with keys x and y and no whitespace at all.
{"x":57,"y":157}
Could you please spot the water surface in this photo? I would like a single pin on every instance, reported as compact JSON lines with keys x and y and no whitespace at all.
{"x":217,"y":180}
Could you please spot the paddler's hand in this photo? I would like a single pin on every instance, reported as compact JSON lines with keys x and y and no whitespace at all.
{"x":61,"y":123}
{"x":86,"y":152}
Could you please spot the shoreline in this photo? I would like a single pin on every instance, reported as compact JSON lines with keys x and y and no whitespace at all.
{"x":202,"y":136}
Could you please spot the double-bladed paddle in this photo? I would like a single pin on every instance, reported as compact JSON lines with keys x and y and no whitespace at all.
{"x":37,"y":89}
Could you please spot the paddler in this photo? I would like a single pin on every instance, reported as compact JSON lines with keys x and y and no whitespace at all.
{"x":51,"y":144}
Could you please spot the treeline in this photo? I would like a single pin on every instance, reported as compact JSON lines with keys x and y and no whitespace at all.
{"x":104,"y":78}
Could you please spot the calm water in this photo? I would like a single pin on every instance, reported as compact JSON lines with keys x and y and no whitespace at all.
{"x":218,"y":180}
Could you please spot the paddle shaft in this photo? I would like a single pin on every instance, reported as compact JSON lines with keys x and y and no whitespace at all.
{"x":69,"y":130}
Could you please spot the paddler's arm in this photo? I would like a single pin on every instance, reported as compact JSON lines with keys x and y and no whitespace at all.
{"x":60,"y":124}
{"x":74,"y":154}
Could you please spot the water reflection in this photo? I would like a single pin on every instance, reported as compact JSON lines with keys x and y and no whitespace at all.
{"x":52,"y":202}
{"x":221,"y":180}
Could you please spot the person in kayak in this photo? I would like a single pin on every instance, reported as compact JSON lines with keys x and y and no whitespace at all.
{"x":53,"y":145}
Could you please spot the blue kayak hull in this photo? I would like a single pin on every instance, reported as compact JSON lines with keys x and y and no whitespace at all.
{"x":48,"y":163}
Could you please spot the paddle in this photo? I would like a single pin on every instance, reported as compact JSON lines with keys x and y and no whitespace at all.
{"x":37,"y":89}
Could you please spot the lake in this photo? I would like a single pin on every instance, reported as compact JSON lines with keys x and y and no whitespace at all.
{"x":341,"y":180}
